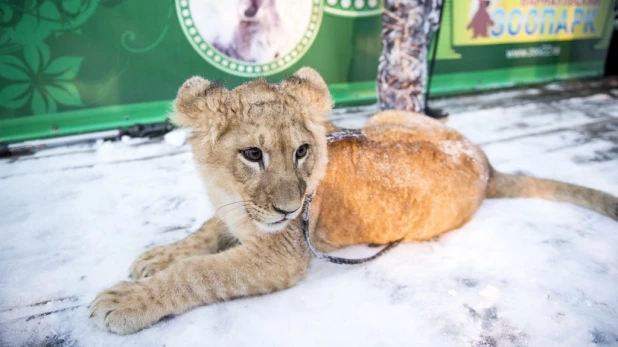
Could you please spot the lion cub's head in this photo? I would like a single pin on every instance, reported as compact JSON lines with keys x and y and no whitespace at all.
{"x":260,"y":147}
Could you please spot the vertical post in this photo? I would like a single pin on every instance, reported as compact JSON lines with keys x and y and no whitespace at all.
{"x":402,"y":71}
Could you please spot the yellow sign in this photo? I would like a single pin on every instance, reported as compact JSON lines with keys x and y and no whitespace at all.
{"x":490,"y":22}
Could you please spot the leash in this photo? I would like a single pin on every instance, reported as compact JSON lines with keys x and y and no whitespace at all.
{"x":343,"y":135}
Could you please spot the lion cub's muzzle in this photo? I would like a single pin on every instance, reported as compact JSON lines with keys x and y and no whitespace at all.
{"x":282,"y":205}
{"x":273,"y":219}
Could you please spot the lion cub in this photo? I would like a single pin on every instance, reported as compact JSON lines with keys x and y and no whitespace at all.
{"x":260,"y":149}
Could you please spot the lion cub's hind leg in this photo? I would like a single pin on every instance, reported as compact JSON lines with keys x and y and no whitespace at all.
{"x":212,"y":237}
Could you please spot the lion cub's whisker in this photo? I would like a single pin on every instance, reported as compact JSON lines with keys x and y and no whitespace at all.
{"x":232,"y":203}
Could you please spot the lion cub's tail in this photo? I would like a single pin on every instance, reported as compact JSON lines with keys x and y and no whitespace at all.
{"x":516,"y":186}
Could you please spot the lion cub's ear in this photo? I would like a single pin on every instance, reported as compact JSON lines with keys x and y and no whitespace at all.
{"x":199,"y":102}
{"x":309,"y":87}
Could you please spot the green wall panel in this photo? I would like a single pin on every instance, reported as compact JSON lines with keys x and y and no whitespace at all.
{"x":83,"y":65}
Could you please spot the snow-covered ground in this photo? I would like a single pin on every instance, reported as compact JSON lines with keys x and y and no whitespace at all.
{"x":521,"y":273}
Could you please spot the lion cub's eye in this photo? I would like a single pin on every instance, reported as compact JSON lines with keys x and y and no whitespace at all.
{"x":252,"y":154}
{"x":301,"y":151}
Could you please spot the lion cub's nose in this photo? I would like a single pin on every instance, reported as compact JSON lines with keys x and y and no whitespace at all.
{"x":251,"y":11}
{"x":285,"y":212}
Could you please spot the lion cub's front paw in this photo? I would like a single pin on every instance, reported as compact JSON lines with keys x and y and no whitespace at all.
{"x":124,"y":309}
{"x":152,"y":261}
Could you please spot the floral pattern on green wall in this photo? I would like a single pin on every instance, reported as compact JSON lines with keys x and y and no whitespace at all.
{"x":30,"y":75}
{"x":42,"y":82}
{"x":44,"y":43}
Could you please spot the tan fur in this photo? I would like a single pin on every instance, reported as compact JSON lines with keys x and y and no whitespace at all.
{"x":412,"y":178}
{"x":513,"y":186}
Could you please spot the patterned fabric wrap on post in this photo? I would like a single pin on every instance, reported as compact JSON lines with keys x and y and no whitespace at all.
{"x":402,"y":72}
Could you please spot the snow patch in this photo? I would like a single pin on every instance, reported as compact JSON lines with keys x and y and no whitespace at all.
{"x":176,"y":138}
{"x":458,"y":149}
{"x":520,"y":273}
